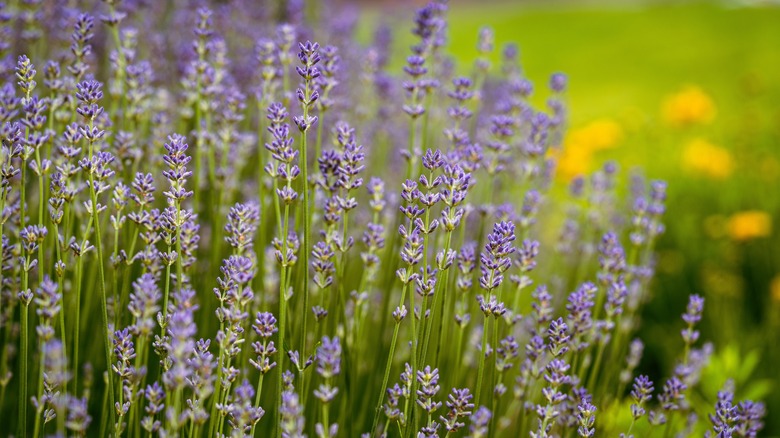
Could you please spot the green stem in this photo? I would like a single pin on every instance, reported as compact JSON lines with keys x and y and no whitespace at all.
{"x":102,"y":284}
{"x":387,"y":367}
{"x":23,"y":362}
{"x":481,"y":372}
{"x":282,"y":316}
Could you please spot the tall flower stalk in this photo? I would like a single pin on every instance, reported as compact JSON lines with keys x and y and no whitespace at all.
{"x":96,"y":164}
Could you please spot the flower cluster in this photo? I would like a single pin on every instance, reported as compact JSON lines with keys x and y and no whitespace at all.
{"x":155,"y":283}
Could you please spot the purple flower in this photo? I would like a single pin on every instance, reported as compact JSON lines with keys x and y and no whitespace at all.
{"x":242,"y":224}
{"x":495,"y":257}
{"x":586,"y":417}
{"x":429,"y":386}
{"x":480,"y":422}
{"x":292,"y":415}
{"x":673,"y":394}
{"x":725,"y":415}
{"x":460,"y":406}
{"x":641,"y":393}
{"x":329,"y":357}
{"x":243,"y":414}
{"x":176,"y":159}
{"x":558,"y":82}
{"x":692,"y":316}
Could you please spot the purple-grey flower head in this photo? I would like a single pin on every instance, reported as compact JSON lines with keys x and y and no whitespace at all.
{"x":461,"y":91}
{"x":558,"y":334}
{"x":480,"y":422}
{"x":558,"y":82}
{"x":542,"y":306}
{"x":80,"y":47}
{"x":616,"y":296}
{"x":555,"y":377}
{"x":486,"y":40}
{"x":329,"y":357}
{"x":586,"y":417}
{"x":276,"y":114}
{"x":309,"y":56}
{"x":506,"y":352}
{"x":49,"y":304}
{"x":31,"y":236}
{"x":460,"y":406}
{"x":429,"y":386}
{"x":429,"y":26}
{"x":143,"y":189}
{"x":673,"y":395}
{"x":265,"y":351}
{"x":292,"y":423}
{"x":242,"y":223}
{"x":124,"y":351}
{"x":8,"y":106}
{"x":34,"y":110}
{"x":725,"y":415}
{"x":415,"y":67}
{"x":78,"y":420}
{"x":176,"y":159}
{"x":612,"y":258}
{"x":526,"y":255}
{"x":641,"y":393}
{"x":692,"y":316}
{"x":491,"y":306}
{"x":25,"y":74}
{"x":749,"y":418}
{"x":265,"y":324}
{"x":323,"y":264}
{"x":180,"y":345}
{"x":412,"y":250}
{"x":88,"y":93}
{"x":243,"y":414}
{"x":495,"y":258}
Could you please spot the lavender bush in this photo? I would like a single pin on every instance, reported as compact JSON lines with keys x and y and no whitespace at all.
{"x":212,"y":226}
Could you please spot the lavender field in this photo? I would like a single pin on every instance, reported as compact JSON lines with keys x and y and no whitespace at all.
{"x":303,"y":218}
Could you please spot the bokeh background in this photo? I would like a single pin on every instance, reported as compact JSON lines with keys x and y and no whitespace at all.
{"x":689,"y":92}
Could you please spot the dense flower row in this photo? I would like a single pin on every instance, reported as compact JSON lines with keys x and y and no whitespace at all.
{"x":413,"y":286}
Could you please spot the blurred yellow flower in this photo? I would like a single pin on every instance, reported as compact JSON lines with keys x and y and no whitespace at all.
{"x":580,"y":145}
{"x":597,"y":135}
{"x":774,"y":289}
{"x":703,"y":157}
{"x":690,"y":106}
{"x":750,"y":224}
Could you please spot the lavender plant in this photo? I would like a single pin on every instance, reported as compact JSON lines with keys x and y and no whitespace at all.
{"x":204,"y":287}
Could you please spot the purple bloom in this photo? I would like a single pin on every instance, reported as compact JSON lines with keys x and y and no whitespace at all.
{"x":586,"y":417}
{"x":495,"y":257}
{"x":558,"y":82}
{"x":692,"y":316}
{"x":480,"y":422}
{"x":641,"y":393}
{"x":329,"y":357}
{"x":673,"y":394}
{"x":292,"y":415}
{"x":459,"y":404}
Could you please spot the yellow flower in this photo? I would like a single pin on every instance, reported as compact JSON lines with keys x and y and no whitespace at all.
{"x":750,"y":224}
{"x":582,"y":143}
{"x":690,"y":106}
{"x":702,"y":157}
{"x":597,"y":135}
{"x":774,"y":288}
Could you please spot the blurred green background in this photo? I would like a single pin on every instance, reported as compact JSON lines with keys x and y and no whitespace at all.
{"x":690,"y":92}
